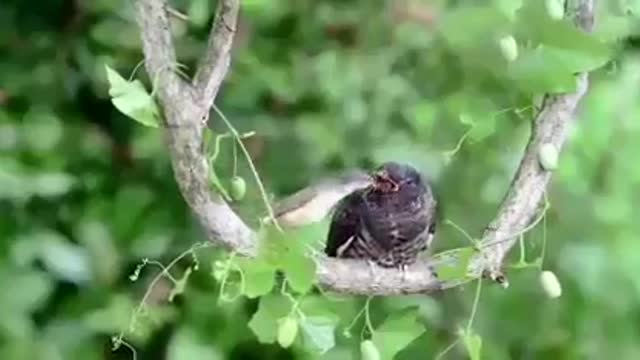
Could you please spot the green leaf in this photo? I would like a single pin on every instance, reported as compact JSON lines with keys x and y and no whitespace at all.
{"x":186,"y":343}
{"x":397,"y":332}
{"x":35,"y":287}
{"x":457,"y":271}
{"x":287,"y":253}
{"x":113,"y":317}
{"x":472,"y":342}
{"x":535,"y":23}
{"x":97,"y":239}
{"x":541,"y":71}
{"x":259,"y":276}
{"x":68,"y":261}
{"x":300,"y":271}
{"x":52,"y":184}
{"x":319,"y":332}
{"x":41,"y":129}
{"x":264,"y":322}
{"x":199,"y":12}
{"x":469,"y":26}
{"x":132,"y":99}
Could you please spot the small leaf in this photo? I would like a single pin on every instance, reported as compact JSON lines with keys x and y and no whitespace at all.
{"x":33,"y":292}
{"x":319,"y":332}
{"x":300,"y":271}
{"x":264,"y":322}
{"x":41,"y":129}
{"x":472,"y":342}
{"x":113,"y":317}
{"x":538,"y":71}
{"x":186,"y":343}
{"x":457,"y":271}
{"x":287,"y":331}
{"x":397,"y":332}
{"x":287,"y":253}
{"x":550,"y":284}
{"x":132,"y":99}
{"x":68,"y":261}
{"x":199,"y":12}
{"x":52,"y":184}
{"x":259,"y":277}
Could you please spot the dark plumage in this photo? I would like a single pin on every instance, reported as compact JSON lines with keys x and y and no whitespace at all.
{"x":390,"y":222}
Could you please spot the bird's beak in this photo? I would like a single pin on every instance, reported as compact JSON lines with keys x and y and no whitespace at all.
{"x":382,"y":179}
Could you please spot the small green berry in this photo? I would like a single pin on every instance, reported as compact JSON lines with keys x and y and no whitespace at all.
{"x":550,"y":284}
{"x":555,"y":9}
{"x":287,"y":331}
{"x":548,"y":156}
{"x":369,"y":351}
{"x":238,"y":188}
{"x":508,"y":47}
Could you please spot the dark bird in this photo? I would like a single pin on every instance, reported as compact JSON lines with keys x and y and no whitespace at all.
{"x":389,"y":222}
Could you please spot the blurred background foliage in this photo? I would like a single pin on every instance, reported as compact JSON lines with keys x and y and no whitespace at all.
{"x":86,"y":194}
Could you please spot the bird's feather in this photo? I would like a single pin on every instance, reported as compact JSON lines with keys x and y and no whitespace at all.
{"x":390,"y":228}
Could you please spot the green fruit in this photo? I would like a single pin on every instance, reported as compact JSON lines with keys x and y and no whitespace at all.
{"x":238,"y":188}
{"x":369,"y":351}
{"x":508,"y":47}
{"x":555,"y":9}
{"x":287,"y":331}
{"x":548,"y":156}
{"x":550,"y":284}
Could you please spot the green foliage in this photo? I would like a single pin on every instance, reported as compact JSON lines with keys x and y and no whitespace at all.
{"x":472,"y":343}
{"x":396,"y":332}
{"x":287,"y":331}
{"x":89,"y":207}
{"x":369,"y":351}
{"x":265,"y":322}
{"x":458,"y":269}
{"x":288,"y":253}
{"x":132,"y":99}
{"x":319,"y":332}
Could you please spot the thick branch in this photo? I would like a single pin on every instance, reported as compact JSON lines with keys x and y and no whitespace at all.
{"x":183,"y":105}
{"x":216,"y":60}
{"x":184,"y":115}
{"x":159,"y":52}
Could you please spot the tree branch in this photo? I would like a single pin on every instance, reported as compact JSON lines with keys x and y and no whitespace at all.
{"x":160,"y":56}
{"x":184,"y":105}
{"x":215,"y":63}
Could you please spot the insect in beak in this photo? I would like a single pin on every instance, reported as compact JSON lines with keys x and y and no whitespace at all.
{"x":384,"y":183}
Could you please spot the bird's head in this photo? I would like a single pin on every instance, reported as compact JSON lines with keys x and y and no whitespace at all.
{"x":392,"y":177}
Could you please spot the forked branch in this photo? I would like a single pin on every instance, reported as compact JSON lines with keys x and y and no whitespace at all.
{"x":187,"y":105}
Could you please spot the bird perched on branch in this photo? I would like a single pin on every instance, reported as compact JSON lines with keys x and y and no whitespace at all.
{"x":389,"y":223}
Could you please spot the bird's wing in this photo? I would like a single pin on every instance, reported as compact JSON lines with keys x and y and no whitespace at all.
{"x":345,"y":223}
{"x":320,"y":198}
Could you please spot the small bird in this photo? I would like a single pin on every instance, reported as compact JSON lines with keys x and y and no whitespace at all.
{"x":389,"y":222}
{"x":315,"y":202}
